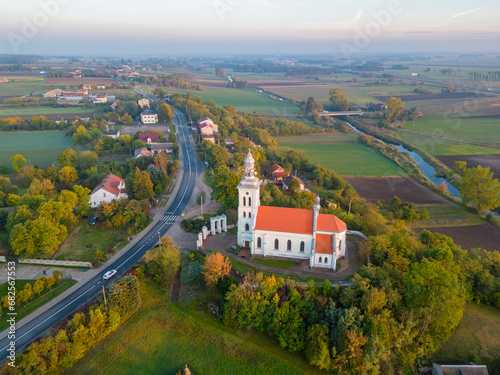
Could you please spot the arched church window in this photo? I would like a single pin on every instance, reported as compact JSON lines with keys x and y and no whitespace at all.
{"x":320,"y":259}
{"x":247,"y":227}
{"x":326,"y":260}
{"x":276,"y":244}
{"x":302,"y":246}
{"x":250,"y":215}
{"x":289,"y":245}
{"x":249,"y":201}
{"x":259,"y":242}
{"x":244,"y":201}
{"x":244,"y":214}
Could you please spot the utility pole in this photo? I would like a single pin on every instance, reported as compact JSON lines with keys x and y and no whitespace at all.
{"x":104,"y":294}
{"x":350,"y":206}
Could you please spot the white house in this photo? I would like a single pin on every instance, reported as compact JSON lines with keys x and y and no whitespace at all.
{"x":112,"y":187}
{"x":149,"y":117}
{"x":287,"y":232}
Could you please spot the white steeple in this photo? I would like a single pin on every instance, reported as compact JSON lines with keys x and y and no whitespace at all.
{"x":249,"y":202}
{"x":249,"y":165}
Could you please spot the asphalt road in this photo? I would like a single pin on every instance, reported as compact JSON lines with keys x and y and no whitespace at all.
{"x":192,"y":167}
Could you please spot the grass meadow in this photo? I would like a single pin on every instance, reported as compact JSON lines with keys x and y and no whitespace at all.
{"x":344,"y":155}
{"x":39,"y":148}
{"x":447,"y":215}
{"x":244,"y":100}
{"x":437,"y":146}
{"x":476,"y":338}
{"x":40,"y":111}
{"x":484,"y":130}
{"x":19,"y":86}
{"x":162,"y":337}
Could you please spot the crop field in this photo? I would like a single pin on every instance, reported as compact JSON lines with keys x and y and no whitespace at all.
{"x":19,"y":87}
{"x":437,"y":146}
{"x":345,"y":157}
{"x":245,"y":100}
{"x":485,"y":130}
{"x":490,"y":161}
{"x":36,"y":111}
{"x":39,"y":148}
{"x":162,"y":337}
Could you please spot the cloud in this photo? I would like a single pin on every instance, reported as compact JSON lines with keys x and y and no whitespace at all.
{"x":468,"y":11}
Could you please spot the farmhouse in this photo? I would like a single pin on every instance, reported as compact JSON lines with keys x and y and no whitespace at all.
{"x":168,"y":147}
{"x":149,"y":117}
{"x":287,"y":232}
{"x":149,"y":138}
{"x":112,"y":187}
{"x":115,"y":134}
{"x":276,"y":172}
{"x":140,"y":152}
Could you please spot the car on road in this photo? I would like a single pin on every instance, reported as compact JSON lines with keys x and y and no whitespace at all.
{"x":108,"y":275}
{"x":94,"y":220}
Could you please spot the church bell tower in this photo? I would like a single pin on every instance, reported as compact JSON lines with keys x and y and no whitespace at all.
{"x":248,"y":203}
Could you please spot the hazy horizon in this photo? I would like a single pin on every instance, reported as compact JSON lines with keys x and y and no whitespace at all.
{"x":209,"y":27}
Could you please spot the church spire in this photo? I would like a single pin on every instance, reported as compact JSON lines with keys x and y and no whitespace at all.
{"x":249,"y":165}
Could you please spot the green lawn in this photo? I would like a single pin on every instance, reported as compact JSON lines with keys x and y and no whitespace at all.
{"x":476,"y":338}
{"x":485,"y":130}
{"x":274,"y":262}
{"x":36,"y":111}
{"x":436,"y":146}
{"x":245,"y":100}
{"x":45,"y":297}
{"x":85,"y":238}
{"x":40,"y":148}
{"x":345,"y":158}
{"x":162,"y":337}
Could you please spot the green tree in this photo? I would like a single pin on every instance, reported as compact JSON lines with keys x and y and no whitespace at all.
{"x":39,"y":285}
{"x":98,"y":255}
{"x":166,"y":259}
{"x":142,"y":185}
{"x":165,"y":113}
{"x":68,"y":174}
{"x":479,"y":189}
{"x":317,"y":346}
{"x":125,"y":296}
{"x":67,"y":158}
{"x":18,"y":161}
{"x":338,"y":100}
{"x":395,"y":107}
{"x":83,"y":199}
{"x":224,"y":185}
{"x":41,"y":187}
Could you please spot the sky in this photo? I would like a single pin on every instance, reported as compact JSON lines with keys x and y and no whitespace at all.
{"x":228,"y":27}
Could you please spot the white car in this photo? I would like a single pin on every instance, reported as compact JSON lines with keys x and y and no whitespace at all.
{"x":108,"y":275}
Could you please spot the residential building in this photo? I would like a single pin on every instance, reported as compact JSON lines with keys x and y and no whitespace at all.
{"x":209,"y":138}
{"x":53,"y":93}
{"x":149,"y":138}
{"x":276,"y":172}
{"x":99,"y":99}
{"x":149,"y":117}
{"x":112,"y":187}
{"x":115,"y":134}
{"x":140,"y":152}
{"x":115,"y":104}
{"x":168,"y":147}
{"x":459,"y":369}
{"x":290,"y":233}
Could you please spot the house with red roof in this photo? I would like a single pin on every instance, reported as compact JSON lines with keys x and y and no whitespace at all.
{"x":149,"y":137}
{"x":207,"y":126}
{"x":276,"y":172}
{"x":283,"y":232}
{"x":112,"y":187}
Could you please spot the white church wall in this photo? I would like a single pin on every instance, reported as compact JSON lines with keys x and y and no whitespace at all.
{"x":268,"y":244}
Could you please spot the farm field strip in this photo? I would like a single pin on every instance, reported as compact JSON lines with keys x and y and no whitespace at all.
{"x":348,"y":158}
{"x":37,"y":111}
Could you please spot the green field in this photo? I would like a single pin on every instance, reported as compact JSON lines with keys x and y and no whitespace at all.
{"x":485,"y":130}
{"x":346,"y":158}
{"x":447,"y":215}
{"x":476,"y":338}
{"x":244,"y":100}
{"x":162,"y":337}
{"x":37,"y":111}
{"x":19,"y":87}
{"x":46,"y":296}
{"x":437,"y":146}
{"x":39,"y":148}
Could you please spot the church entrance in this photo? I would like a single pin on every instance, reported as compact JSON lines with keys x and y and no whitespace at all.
{"x":247,"y":243}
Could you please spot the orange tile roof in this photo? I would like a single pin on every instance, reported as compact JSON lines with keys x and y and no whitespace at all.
{"x":330,"y":223}
{"x":110,"y":184}
{"x":324,"y":244}
{"x":295,"y":220}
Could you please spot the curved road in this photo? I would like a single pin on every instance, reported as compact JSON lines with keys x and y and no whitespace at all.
{"x":192,"y":167}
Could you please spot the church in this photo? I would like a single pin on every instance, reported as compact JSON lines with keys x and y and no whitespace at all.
{"x":293,"y":233}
